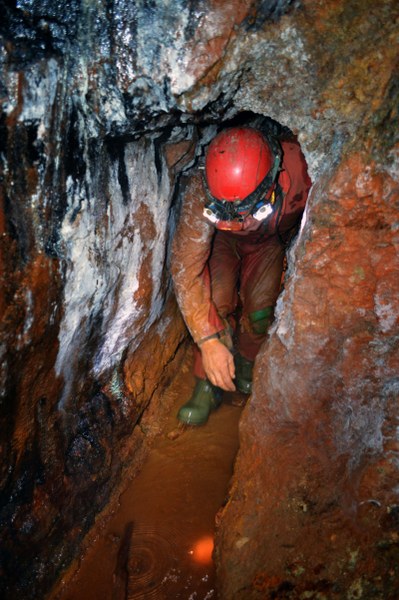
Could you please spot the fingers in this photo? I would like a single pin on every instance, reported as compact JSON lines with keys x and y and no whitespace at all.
{"x":221,"y":380}
{"x":227,"y":376}
{"x":232,"y":368}
{"x":219,"y":365}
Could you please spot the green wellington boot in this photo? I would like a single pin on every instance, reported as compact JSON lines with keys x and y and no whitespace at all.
{"x":206,"y":397}
{"x":243,"y":378}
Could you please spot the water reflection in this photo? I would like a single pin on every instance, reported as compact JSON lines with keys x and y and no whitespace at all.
{"x":159,"y":545}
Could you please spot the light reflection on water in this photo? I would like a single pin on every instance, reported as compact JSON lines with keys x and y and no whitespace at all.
{"x":161,"y":539}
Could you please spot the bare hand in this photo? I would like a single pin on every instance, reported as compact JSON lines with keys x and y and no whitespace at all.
{"x":218,"y":364}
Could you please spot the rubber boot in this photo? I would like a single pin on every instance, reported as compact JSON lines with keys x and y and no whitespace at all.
{"x":205,"y":398}
{"x":243,"y":378}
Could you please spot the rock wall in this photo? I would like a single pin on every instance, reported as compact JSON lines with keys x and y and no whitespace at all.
{"x":104,"y":105}
{"x":318,"y":466}
{"x":87,"y":212}
{"x":312,"y":511}
{"x":93,"y":141}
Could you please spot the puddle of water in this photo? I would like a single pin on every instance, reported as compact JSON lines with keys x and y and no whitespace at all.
{"x":158,"y":545}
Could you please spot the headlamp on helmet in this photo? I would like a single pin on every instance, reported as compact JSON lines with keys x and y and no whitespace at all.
{"x":240,"y":174}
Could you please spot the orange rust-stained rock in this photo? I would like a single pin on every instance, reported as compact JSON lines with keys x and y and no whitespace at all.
{"x":213,"y":32}
{"x":101,"y":110}
{"x":349,"y":68}
{"x":313,"y":508}
{"x":178,"y":154}
{"x":36,"y":297}
{"x":145,"y":367}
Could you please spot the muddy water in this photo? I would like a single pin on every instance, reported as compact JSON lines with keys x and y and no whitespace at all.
{"x":159,"y":544}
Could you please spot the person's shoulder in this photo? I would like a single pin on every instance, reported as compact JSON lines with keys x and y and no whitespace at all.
{"x":292,"y":153}
{"x":291,"y":146}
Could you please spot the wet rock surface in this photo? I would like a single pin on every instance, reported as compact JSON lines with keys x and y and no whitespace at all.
{"x":102,"y":105}
{"x":158,"y":543}
{"x":318,"y":457}
{"x":317,"y":464}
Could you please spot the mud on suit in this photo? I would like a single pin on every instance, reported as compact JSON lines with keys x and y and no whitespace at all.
{"x":216,"y":271}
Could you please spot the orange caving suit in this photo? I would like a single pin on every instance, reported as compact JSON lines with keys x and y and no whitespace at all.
{"x":214,"y":270}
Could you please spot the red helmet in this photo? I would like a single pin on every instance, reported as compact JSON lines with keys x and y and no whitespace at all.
{"x":236,"y":162}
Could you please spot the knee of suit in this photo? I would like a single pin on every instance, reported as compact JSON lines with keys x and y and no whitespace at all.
{"x":261,"y":319}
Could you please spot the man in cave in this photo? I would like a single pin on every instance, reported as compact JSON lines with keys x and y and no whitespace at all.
{"x":238,"y":215}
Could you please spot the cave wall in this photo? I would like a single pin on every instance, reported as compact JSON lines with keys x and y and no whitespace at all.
{"x":94,"y":136}
{"x":86,"y":301}
{"x":317,"y":470}
{"x":102,"y":104}
{"x":313,"y":505}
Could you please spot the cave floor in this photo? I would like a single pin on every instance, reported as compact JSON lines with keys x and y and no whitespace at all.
{"x":158,"y":544}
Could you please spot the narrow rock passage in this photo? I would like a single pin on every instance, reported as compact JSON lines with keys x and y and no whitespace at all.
{"x":158,"y":544}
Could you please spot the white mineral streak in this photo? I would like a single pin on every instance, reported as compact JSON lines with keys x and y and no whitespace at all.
{"x":284,"y":323}
{"x":39,"y":91}
{"x":29,"y":315}
{"x":175,"y":58}
{"x":160,"y":47}
{"x":89,"y":121}
{"x":386,"y":314}
{"x":10,"y":102}
{"x":163,"y":325}
{"x":157,"y":198}
{"x":103,"y":262}
{"x":39,"y":95}
{"x":120,"y":323}
{"x":358,"y":425}
{"x":112,"y":108}
{"x":180,"y":77}
{"x":392,"y":165}
{"x":86,"y":282}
